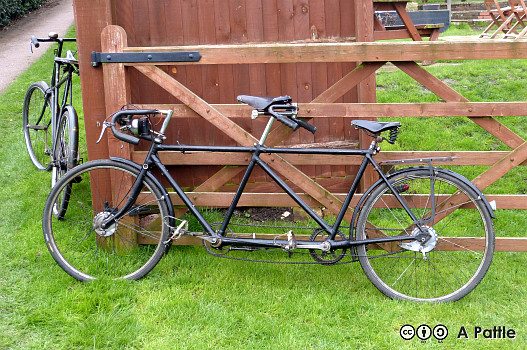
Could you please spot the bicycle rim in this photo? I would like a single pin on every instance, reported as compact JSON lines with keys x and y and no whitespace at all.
{"x":454,"y":259}
{"x":37,"y":125}
{"x":128,"y":249}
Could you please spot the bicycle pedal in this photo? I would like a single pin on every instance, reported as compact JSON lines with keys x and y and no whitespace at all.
{"x":291,"y":239}
{"x":179,"y":231}
{"x":76,"y":180}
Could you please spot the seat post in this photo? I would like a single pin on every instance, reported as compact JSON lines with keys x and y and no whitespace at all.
{"x":374,"y":145}
{"x":266,"y":130}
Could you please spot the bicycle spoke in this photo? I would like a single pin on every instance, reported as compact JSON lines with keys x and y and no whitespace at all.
{"x":448,"y":264}
{"x":82,"y":247}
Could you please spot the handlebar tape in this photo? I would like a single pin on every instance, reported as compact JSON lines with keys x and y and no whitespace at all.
{"x":124,"y":137}
{"x":285,"y":120}
{"x":307,"y":126}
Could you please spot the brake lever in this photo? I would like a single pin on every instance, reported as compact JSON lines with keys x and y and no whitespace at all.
{"x":104,"y":127}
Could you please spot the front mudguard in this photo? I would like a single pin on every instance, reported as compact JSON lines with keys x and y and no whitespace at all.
{"x":166,"y":196}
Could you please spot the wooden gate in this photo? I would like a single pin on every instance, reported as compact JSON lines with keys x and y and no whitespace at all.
{"x":331,"y":106}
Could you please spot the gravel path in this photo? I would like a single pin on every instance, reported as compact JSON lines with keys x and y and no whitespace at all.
{"x":15,"y":53}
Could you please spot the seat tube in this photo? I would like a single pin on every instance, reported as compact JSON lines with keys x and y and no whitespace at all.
{"x":54,"y":102}
{"x":350,"y":195}
{"x":239,"y":192}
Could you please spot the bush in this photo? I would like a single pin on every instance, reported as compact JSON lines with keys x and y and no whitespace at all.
{"x":12,"y":9}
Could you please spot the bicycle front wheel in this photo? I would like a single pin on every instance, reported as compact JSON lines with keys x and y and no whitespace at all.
{"x":65,"y":156}
{"x":37,"y":125}
{"x":459,"y":245}
{"x":129,"y":248}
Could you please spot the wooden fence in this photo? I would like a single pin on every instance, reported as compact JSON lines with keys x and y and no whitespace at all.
{"x":329,"y":106}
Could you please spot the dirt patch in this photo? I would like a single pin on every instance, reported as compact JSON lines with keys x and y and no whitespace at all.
{"x":259,"y":214}
{"x":448,"y":81}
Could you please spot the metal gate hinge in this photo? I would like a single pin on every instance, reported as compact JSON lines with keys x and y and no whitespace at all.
{"x":143,"y":57}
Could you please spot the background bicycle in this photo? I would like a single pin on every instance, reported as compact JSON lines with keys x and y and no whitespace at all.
{"x":50,"y":122}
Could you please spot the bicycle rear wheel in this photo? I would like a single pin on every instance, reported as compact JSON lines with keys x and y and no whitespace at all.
{"x":460,"y":245}
{"x":65,"y":157}
{"x":37,"y":125}
{"x":129,"y":248}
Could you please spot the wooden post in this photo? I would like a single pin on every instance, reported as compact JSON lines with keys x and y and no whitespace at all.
{"x":117,"y":94}
{"x":116,"y":85}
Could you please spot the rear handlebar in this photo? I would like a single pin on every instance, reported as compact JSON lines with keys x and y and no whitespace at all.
{"x":284,"y":117}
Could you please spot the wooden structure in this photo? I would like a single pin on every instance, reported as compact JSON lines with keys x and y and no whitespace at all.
{"x":324,"y":58}
{"x":407,"y":29}
{"x":519,"y":14}
{"x":509,"y":20}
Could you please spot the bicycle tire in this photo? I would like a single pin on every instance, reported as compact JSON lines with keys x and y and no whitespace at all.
{"x":128,"y":249}
{"x":455,"y":258}
{"x":36,"y":120}
{"x":66,"y":155}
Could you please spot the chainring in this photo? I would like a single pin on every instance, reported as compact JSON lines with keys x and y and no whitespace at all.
{"x":326,"y":258}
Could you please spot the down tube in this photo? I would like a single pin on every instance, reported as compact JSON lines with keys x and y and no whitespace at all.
{"x":183,"y":196}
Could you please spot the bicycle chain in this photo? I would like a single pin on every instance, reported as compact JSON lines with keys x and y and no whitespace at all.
{"x":273,"y":226}
{"x":224,"y":256}
{"x":353,"y":257}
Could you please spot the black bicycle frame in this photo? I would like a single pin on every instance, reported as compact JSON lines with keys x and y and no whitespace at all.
{"x":55,"y":85}
{"x":219,"y":238}
{"x":68,"y":91}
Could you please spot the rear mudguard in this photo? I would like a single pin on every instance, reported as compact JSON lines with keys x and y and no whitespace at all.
{"x":460,"y":177}
{"x":166,"y":196}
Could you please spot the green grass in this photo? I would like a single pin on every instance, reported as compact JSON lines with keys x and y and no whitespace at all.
{"x":464,"y":29}
{"x":194,"y":301}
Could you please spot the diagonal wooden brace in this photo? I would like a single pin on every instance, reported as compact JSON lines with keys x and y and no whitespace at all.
{"x":501,"y":167}
{"x":448,"y":94}
{"x":241,"y":136}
